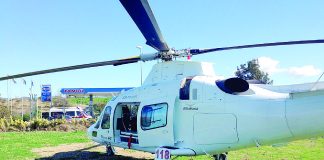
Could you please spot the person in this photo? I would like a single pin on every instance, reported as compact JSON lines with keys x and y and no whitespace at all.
{"x":126,"y":118}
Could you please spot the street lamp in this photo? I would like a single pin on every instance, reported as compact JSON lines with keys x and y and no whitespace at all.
{"x":8,"y":94}
{"x":140,"y":49}
{"x":22,"y":99}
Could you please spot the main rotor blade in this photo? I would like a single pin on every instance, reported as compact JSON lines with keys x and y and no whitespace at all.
{"x":142,"y":15}
{"x":201,"y":51}
{"x":75,"y":67}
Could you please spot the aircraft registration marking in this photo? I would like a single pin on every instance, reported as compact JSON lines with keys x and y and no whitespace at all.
{"x":162,"y":154}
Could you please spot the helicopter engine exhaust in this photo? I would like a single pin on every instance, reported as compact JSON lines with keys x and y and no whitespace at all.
{"x":233,"y":85}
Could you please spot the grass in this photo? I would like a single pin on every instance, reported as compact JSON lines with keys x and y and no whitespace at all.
{"x":18,"y":145}
{"x":85,"y":101}
{"x":299,"y":150}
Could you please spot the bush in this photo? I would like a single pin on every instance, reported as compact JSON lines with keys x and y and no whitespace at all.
{"x":4,"y":112}
{"x":4,"y":125}
{"x":12,"y":124}
{"x":19,"y":124}
{"x":39,"y":124}
{"x":97,"y":108}
{"x":83,"y":122}
{"x":65,"y":127}
{"x":16,"y":117}
{"x":13,"y":129}
{"x":26,"y":117}
{"x":57,"y":122}
{"x":92,"y":121}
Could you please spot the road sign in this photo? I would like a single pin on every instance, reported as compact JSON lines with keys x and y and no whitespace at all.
{"x":46,"y":93}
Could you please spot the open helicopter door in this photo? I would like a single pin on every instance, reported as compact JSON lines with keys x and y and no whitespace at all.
{"x":155,"y":125}
{"x":125,"y":123}
{"x":105,"y":131}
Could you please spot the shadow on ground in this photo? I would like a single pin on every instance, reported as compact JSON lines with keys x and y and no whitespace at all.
{"x":84,"y":155}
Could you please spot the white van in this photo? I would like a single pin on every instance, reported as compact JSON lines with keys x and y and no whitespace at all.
{"x":73,"y":112}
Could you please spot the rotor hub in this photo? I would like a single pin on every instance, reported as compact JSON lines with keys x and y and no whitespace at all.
{"x":173,"y":54}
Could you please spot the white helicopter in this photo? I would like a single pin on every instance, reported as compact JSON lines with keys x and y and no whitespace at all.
{"x":183,"y":108}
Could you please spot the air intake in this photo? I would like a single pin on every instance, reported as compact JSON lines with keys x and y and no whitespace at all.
{"x":233,"y":85}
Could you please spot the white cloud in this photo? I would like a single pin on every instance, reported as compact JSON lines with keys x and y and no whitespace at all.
{"x":271,"y":66}
{"x":308,"y":70}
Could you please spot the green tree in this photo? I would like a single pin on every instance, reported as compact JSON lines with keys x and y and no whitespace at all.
{"x":251,"y":71}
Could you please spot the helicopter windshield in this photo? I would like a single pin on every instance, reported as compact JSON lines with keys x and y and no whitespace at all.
{"x":99,"y":120}
{"x":105,"y":124}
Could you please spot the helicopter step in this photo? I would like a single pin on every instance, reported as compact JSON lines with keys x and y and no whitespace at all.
{"x":110,"y":151}
{"x":222,"y":156}
{"x":129,"y":137}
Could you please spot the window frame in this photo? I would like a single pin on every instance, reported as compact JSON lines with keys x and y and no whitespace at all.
{"x":104,"y":116}
{"x":98,"y":123}
{"x":135,"y":103}
{"x":68,"y":113}
{"x":60,"y":113}
{"x":166,"y":116}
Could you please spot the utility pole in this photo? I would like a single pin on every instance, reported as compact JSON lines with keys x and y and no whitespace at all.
{"x":31,"y":99}
{"x":13,"y":80}
{"x":35,"y":95}
{"x":8,"y":94}
{"x":22,"y":107}
{"x":91,"y":105}
{"x":22,"y":99}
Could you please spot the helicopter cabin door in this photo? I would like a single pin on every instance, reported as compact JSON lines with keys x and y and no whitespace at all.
{"x":125,"y":123}
{"x":155,"y":125}
{"x":106,"y":131}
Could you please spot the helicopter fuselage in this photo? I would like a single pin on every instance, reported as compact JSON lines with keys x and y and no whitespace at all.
{"x":181,"y":107}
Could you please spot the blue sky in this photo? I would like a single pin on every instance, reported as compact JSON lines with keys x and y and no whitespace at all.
{"x":38,"y":34}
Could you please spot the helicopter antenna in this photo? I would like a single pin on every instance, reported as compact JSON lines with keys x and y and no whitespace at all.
{"x":314,"y":86}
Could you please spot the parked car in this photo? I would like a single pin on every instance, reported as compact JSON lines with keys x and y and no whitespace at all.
{"x":73,"y":112}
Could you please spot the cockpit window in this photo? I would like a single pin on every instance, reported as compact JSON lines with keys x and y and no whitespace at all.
{"x":98,"y":121}
{"x":105,"y":124}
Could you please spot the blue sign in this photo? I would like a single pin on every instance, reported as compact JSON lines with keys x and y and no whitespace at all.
{"x":46,"y":93}
{"x":73,"y":91}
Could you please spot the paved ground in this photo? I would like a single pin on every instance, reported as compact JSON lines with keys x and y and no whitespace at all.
{"x":87,"y":151}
